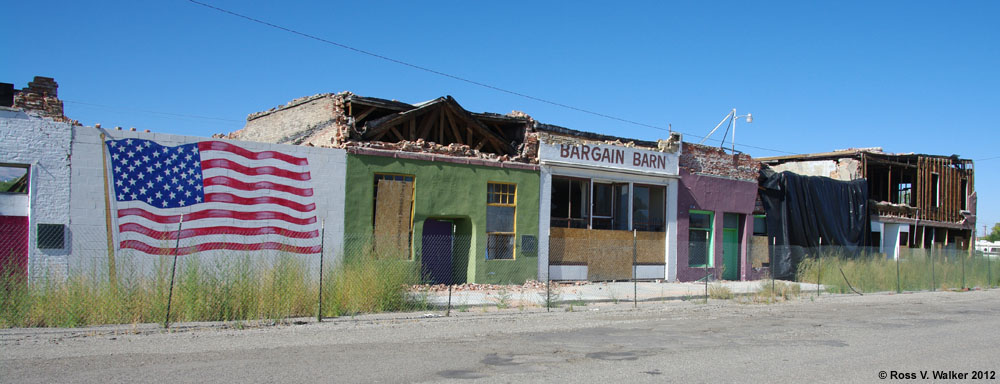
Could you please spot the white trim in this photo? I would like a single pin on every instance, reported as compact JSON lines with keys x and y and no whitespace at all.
{"x":569,"y":272}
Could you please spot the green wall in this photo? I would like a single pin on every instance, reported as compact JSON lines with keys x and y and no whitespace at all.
{"x":449,"y":191}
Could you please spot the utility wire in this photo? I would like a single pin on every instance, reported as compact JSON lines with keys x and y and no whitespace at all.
{"x":153,"y":112}
{"x":459,"y":78}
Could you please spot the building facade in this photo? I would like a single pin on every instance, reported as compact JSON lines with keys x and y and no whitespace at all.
{"x":916,"y":200}
{"x":607,"y":209}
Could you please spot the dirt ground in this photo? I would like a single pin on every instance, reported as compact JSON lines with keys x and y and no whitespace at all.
{"x":832,"y":338}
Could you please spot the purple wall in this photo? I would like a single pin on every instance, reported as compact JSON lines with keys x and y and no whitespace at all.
{"x":718,"y":195}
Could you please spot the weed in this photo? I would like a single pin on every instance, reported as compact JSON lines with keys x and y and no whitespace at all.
{"x":719,"y":292}
{"x":503,"y":298}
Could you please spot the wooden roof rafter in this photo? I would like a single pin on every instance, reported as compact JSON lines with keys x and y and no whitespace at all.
{"x":449,"y":119}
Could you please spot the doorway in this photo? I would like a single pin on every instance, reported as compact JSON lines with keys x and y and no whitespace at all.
{"x":731,"y":246}
{"x":13,"y":246}
{"x":437,"y":244}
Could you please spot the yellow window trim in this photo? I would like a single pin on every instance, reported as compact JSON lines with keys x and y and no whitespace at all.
{"x":514,"y":205}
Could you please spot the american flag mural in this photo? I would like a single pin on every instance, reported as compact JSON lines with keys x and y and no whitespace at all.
{"x":231,"y":198}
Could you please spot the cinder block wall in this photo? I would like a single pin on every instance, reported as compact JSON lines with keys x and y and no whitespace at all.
{"x":327,"y":167}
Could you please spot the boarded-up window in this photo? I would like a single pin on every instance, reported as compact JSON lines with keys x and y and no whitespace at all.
{"x":760,"y":255}
{"x":393,"y":216}
{"x":501,"y":205}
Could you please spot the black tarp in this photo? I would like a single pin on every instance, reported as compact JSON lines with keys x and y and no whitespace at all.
{"x":802,"y":210}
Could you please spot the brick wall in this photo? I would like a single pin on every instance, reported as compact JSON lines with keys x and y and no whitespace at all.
{"x":41,"y":96}
{"x":314,"y":120}
{"x":43,"y":145}
{"x":714,"y":161}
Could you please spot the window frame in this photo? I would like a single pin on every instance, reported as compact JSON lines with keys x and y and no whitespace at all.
{"x":26,"y":176}
{"x":710,"y":257}
{"x":513,"y":233}
{"x":632,"y":196}
{"x":586,"y":219}
{"x":907,"y":191}
{"x":758,"y":216}
{"x":935,"y":189}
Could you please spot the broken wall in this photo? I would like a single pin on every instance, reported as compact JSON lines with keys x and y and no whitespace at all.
{"x":314,"y":121}
{"x":844,"y":169}
{"x":714,"y":161}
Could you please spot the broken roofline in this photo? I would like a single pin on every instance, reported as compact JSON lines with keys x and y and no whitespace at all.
{"x":555,"y":129}
{"x":853,"y":153}
{"x":373,"y":128}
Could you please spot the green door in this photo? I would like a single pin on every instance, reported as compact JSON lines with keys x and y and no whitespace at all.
{"x":731,"y":246}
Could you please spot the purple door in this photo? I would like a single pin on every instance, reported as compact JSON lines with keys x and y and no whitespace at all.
{"x":436,"y":254}
{"x":13,"y":245}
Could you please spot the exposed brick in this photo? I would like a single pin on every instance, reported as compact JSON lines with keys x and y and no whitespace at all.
{"x":701,"y":159}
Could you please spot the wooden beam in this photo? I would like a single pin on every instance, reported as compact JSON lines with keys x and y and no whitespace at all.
{"x":425,"y":127}
{"x":501,"y":145}
{"x":454,"y":127}
{"x":889,"y":187}
{"x":364,"y":114}
{"x":444,"y":130}
{"x":382,"y":125}
{"x":413,"y":129}
{"x":440,"y":130}
{"x":468,"y":133}
{"x":396,"y":132}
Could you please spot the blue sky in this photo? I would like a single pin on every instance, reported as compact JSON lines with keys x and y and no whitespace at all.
{"x":908,"y":76}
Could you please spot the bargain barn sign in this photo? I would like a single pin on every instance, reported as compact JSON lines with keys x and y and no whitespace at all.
{"x":611,"y":157}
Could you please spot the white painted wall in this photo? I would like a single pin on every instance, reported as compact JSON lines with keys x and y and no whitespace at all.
{"x":890,"y":238}
{"x":13,"y":204}
{"x":44,"y":145}
{"x":327,"y":168}
{"x":544,"y":216}
{"x":668,"y":272}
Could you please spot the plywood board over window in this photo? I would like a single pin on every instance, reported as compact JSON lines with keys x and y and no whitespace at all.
{"x":393,"y":209}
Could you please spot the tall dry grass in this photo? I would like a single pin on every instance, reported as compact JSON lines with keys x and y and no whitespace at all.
{"x":918,"y":270}
{"x":227,"y":288}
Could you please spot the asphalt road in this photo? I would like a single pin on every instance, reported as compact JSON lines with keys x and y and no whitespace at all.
{"x":826,"y":339}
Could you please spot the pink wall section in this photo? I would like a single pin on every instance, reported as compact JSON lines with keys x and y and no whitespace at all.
{"x":718,"y":195}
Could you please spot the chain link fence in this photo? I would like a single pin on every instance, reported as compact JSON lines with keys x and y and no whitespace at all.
{"x":841,"y":270}
{"x":56,"y":278}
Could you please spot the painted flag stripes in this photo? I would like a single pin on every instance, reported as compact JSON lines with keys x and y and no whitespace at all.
{"x":231,"y":198}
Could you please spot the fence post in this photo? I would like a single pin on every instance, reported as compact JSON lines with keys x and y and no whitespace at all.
{"x":989,"y":272}
{"x":635,"y":274}
{"x":173,"y":270}
{"x":448,"y":312}
{"x":706,"y":281}
{"x":774,"y":249}
{"x":819,"y":270}
{"x":322,"y":237}
{"x":933,"y":276}
{"x":963,"y":272}
{"x":548,"y":288}
{"x":898,"y":288}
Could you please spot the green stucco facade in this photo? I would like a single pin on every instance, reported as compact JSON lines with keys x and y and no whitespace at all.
{"x":456,"y":193}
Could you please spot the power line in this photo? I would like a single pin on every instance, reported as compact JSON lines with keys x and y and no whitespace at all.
{"x":459,"y":78}
{"x":988,"y":158}
{"x":152,"y":112}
